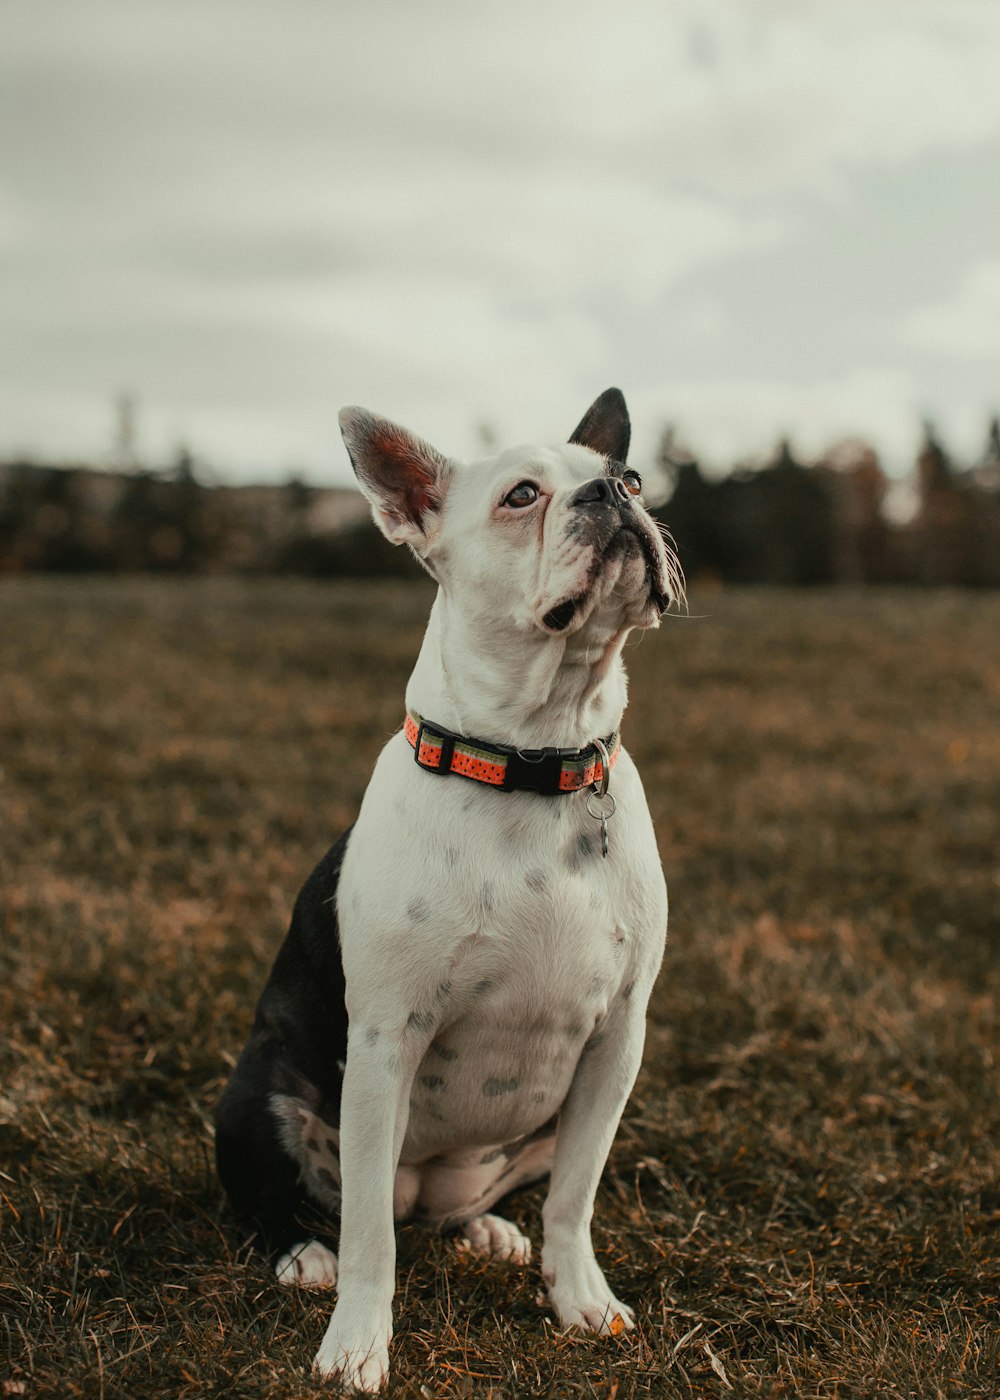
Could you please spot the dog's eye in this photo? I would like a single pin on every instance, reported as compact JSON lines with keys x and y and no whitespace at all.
{"x":525,"y":493}
{"x":633,"y":482}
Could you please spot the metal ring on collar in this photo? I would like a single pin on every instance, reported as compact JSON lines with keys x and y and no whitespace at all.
{"x":601,"y":805}
{"x":602,"y":787}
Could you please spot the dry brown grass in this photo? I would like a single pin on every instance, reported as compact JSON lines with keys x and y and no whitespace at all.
{"x":802,"y":1200}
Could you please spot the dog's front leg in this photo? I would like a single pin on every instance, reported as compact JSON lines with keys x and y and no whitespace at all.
{"x":374,"y":1109}
{"x":588,"y":1121}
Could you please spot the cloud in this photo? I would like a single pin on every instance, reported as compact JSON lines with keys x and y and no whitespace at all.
{"x":726,"y":420}
{"x":964,"y":326}
{"x":251,"y":213}
{"x":799,"y":96}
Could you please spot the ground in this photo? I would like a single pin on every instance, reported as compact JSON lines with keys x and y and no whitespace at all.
{"x":802,"y":1200}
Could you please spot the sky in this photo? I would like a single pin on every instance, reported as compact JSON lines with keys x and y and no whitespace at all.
{"x":757,"y":217}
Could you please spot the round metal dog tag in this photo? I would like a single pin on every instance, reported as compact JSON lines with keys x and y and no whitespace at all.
{"x":602,"y":806}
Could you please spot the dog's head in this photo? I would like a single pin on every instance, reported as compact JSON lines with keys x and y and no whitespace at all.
{"x":551,"y":537}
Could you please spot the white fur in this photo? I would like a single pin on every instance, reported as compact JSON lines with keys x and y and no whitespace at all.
{"x":491,"y":1234}
{"x":309,"y":1265}
{"x":498,"y":972}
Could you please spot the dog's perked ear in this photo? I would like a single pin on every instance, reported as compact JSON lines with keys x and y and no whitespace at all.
{"x":605,"y":426}
{"x":403,"y":477}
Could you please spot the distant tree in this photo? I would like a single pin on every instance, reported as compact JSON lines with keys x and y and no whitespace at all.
{"x":183,"y":468}
{"x":934,"y":468}
{"x":769,"y":525}
{"x":356,"y":551}
{"x":124,"y":450}
{"x":298,"y":494}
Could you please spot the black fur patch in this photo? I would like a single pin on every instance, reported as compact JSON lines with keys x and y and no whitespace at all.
{"x":296,"y":1047}
{"x":580,"y":852}
{"x":492,"y":1088}
{"x":537,"y":881}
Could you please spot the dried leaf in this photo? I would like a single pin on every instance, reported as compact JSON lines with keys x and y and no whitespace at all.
{"x":717,"y":1366}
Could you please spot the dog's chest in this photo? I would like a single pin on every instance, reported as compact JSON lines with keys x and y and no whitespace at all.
{"x":520,"y":1003}
{"x":502,"y":929}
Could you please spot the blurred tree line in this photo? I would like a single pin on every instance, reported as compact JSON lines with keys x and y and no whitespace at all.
{"x":790,"y":522}
{"x":786,"y":521}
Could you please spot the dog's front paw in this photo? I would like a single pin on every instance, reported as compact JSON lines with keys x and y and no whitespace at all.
{"x":582,"y":1298}
{"x":355,"y":1348}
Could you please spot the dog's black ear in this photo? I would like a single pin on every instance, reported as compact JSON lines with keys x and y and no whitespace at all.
{"x":605,"y":426}
{"x":403,"y":477}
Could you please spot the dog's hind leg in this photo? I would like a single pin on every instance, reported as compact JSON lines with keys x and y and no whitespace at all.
{"x":462,"y":1190}
{"x":277,"y":1139}
{"x":278,"y":1160}
{"x":486,"y":1233}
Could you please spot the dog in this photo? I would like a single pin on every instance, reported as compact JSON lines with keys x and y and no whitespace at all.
{"x":459,"y":1006}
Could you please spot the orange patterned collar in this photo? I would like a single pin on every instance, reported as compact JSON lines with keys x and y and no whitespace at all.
{"x":552,"y":772}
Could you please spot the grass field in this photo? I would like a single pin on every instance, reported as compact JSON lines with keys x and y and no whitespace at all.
{"x":802,"y":1200}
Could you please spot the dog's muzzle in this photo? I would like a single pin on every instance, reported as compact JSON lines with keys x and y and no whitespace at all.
{"x":607,"y":494}
{"x":603,"y":491}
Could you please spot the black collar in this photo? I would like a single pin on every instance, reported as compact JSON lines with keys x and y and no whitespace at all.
{"x":551,"y":772}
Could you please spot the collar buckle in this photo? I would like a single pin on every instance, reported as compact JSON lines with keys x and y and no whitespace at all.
{"x":445,"y":743}
{"x":534,"y":770}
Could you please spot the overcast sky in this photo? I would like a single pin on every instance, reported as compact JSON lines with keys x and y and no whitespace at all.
{"x":755,"y":216}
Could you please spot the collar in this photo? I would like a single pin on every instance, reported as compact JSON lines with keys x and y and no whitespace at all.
{"x":551,"y":772}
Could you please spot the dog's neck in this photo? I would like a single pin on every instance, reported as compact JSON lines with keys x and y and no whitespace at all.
{"x":478,"y":677}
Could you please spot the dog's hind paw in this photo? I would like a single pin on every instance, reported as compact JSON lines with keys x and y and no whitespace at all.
{"x":491,"y":1234}
{"x":309,"y":1265}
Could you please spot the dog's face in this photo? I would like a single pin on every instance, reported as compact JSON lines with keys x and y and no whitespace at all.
{"x":545,"y":539}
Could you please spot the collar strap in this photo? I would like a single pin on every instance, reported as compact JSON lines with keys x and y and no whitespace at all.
{"x":551,"y":772}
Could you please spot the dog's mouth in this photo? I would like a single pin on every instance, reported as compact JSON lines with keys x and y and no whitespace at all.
{"x":629,"y":535}
{"x":557,"y":619}
{"x":655,"y":580}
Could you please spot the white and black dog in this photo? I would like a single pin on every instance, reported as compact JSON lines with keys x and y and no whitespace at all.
{"x":459,"y":1006}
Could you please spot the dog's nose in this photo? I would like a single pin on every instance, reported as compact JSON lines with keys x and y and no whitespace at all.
{"x":603,"y":490}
